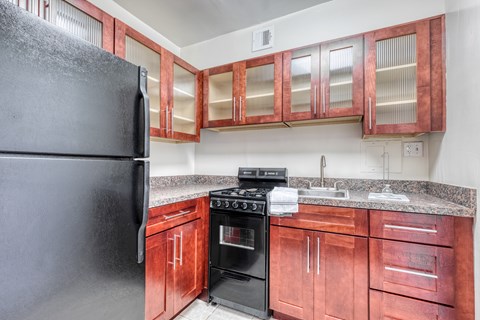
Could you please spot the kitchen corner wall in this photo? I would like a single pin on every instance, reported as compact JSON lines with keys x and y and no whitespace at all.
{"x":166,"y":159}
{"x":455,"y":155}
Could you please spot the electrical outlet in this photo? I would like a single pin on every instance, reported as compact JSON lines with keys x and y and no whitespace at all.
{"x":413,"y":149}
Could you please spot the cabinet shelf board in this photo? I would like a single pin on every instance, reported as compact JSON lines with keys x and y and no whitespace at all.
{"x":153,"y":79}
{"x":183,"y":119}
{"x":342,"y":83}
{"x":403,"y":66}
{"x":154,"y":110}
{"x":392,"y":103}
{"x":183,"y":92}
{"x":220,"y":101}
{"x":263,"y":95}
{"x":301,"y":89}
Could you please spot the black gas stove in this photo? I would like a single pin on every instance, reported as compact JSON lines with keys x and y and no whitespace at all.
{"x":238,"y":273}
{"x":251,"y":195}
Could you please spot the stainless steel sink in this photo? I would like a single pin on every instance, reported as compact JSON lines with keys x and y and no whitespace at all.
{"x":324,"y":193}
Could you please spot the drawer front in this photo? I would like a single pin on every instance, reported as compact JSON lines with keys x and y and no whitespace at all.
{"x":329,"y":219}
{"x":393,"y":307}
{"x":413,"y":270}
{"x":171,"y":215}
{"x":412,"y":227}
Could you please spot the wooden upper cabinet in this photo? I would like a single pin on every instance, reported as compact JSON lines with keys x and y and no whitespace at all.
{"x":136,"y":48}
{"x":301,"y":83}
{"x":324,"y":81}
{"x":260,"y":84}
{"x":185,"y":102}
{"x":173,"y":85}
{"x":341,"y":70}
{"x":78,"y":17}
{"x":397,"y":80}
{"x":219,"y":96}
{"x":246,"y":92}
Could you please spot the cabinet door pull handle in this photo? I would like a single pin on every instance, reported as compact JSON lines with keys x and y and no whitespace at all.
{"x":318,"y":256}
{"x":370,"y":113}
{"x":315,"y":100}
{"x":308,"y":254}
{"x":166,"y":119}
{"x":392,"y":226}
{"x":171,"y":123}
{"x":415,"y":273}
{"x":181,"y":213}
{"x":240,"y":109}
{"x":234,"y":110}
{"x":323,"y":99}
{"x":181,"y":248}
{"x":174,"y":239}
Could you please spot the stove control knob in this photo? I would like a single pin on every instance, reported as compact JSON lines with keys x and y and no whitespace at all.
{"x":226,"y":204}
{"x":218,"y":203}
{"x":244,"y":206}
{"x":235,"y":204}
{"x":254,"y":206}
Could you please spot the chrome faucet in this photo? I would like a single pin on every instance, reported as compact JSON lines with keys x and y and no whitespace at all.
{"x":323,"y":164}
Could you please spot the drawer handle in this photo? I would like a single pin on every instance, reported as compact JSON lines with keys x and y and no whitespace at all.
{"x":416,"y":273}
{"x":391,"y":226}
{"x":308,"y":254}
{"x":177,"y":215}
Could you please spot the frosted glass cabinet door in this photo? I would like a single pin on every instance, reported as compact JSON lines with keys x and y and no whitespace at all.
{"x":397,"y":92}
{"x":80,"y":18}
{"x":139,"y":50}
{"x":341,"y":89}
{"x":219,"y":101}
{"x":261,"y":84}
{"x":141,"y":55}
{"x":301,"y":84}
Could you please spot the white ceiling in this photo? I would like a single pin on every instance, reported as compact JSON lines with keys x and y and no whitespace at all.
{"x":185,"y":22}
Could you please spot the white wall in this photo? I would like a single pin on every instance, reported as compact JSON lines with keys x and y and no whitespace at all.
{"x":331,"y":20}
{"x":455,"y":155}
{"x":165,"y":159}
{"x":299,"y":150}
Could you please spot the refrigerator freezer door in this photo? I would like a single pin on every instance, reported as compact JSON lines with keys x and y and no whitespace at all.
{"x":69,"y":239}
{"x":62,"y":95}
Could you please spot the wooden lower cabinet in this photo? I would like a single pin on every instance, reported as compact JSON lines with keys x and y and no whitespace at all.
{"x":384,"y":306}
{"x":173,"y":270}
{"x":158,"y":305}
{"x":327,"y":274}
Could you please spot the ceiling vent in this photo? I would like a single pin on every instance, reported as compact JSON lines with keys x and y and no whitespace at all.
{"x":262,"y":39}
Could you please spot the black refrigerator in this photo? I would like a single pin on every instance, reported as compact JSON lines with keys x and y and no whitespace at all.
{"x":74,"y":180}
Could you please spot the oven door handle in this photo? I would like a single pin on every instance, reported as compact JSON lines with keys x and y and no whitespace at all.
{"x":237,"y":277}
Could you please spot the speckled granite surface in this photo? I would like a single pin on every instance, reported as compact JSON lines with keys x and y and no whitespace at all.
{"x":419,"y":203}
{"x":160,"y":196}
{"x":425,"y":197}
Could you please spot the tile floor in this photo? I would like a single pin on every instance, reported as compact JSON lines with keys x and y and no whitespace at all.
{"x":200,"y":310}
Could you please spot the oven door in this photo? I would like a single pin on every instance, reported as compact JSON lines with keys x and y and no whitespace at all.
{"x":238,"y":243}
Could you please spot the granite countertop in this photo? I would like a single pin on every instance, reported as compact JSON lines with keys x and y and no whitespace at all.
{"x":160,"y":196}
{"x":419,"y":203}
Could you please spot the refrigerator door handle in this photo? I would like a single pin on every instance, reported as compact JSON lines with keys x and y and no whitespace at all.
{"x":141,"y":230}
{"x":146,"y":110}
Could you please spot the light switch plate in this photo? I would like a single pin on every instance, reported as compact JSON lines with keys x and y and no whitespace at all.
{"x":413,"y":149}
